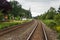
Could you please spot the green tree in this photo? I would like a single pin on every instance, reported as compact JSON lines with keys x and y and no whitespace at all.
{"x":59,"y":10}
{"x":51,"y":13}
{"x":17,"y":10}
{"x":1,"y":15}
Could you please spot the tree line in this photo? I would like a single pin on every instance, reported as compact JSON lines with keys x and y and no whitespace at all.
{"x":51,"y":14}
{"x":15,"y":12}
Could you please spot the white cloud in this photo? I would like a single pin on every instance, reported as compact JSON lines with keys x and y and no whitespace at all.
{"x":55,"y":4}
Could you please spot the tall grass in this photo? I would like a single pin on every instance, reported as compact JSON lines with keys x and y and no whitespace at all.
{"x":11,"y":23}
{"x":53,"y":25}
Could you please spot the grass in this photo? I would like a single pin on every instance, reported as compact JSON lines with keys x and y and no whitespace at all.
{"x":58,"y":28}
{"x":50,"y":23}
{"x":11,"y":23}
{"x":58,"y":31}
{"x":53,"y":25}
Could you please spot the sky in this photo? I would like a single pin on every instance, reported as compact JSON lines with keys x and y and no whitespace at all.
{"x":39,"y":7}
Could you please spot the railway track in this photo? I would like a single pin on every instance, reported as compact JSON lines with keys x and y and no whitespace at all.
{"x":38,"y":34}
{"x":41,"y":32}
{"x":33,"y":30}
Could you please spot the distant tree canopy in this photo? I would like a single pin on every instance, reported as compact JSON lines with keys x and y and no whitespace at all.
{"x":51,"y":18}
{"x":12,"y":9}
{"x":59,"y":9}
{"x":49,"y":14}
{"x":17,"y":10}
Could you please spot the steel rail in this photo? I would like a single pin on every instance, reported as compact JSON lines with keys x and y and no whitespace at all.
{"x":44,"y":31}
{"x":32,"y":32}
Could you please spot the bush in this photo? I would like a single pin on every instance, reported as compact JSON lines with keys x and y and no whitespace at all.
{"x":50,"y":23}
{"x":8,"y":24}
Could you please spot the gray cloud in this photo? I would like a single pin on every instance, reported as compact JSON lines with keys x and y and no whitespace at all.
{"x":39,"y":6}
{"x":40,"y":0}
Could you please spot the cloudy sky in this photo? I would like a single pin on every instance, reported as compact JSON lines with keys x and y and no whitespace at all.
{"x":38,"y":7}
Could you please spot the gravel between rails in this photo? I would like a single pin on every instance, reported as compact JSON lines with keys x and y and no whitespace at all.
{"x":38,"y":34}
{"x":19,"y":34}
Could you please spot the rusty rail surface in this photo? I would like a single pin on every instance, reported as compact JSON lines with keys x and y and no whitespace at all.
{"x":32,"y":32}
{"x":43,"y":30}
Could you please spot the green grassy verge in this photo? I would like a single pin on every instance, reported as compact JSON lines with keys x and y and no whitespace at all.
{"x":11,"y":23}
{"x":53,"y":25}
{"x":58,"y":31}
{"x":50,"y":23}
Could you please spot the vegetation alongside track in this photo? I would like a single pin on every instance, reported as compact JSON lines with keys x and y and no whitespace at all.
{"x":53,"y":25}
{"x":12,"y":23}
{"x":52,"y":19}
{"x":12,"y":10}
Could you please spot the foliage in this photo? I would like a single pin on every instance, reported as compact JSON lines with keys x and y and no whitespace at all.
{"x":16,"y":11}
{"x":50,"y":23}
{"x":59,"y":9}
{"x":49,"y":14}
{"x":57,"y":19}
{"x":12,"y":23}
{"x":52,"y":19}
{"x":1,"y":15}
